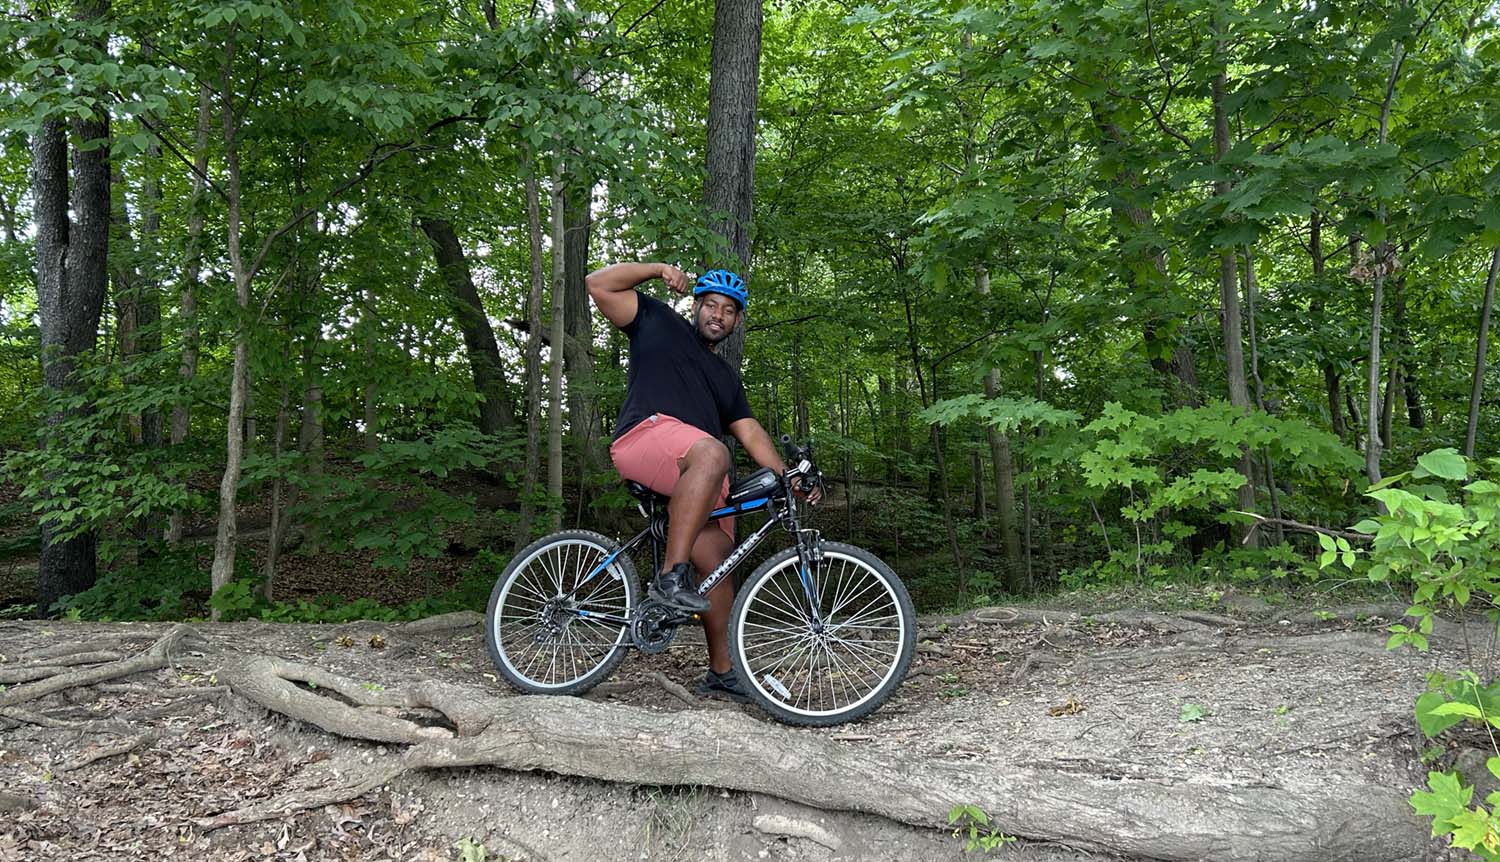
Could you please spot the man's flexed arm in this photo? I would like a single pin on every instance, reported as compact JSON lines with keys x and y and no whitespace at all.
{"x":613,"y":287}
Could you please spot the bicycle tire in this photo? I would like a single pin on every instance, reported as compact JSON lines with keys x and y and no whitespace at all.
{"x":881,"y":636}
{"x":520,"y":627}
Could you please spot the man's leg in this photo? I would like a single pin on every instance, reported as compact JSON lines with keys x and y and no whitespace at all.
{"x":703,"y":470}
{"x":711,"y":548}
{"x":700,"y":479}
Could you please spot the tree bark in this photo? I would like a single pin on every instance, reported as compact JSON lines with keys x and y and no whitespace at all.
{"x":1481,"y":349}
{"x":71,"y":280}
{"x":1229,"y":298}
{"x":533,"y":370}
{"x":1331,"y":384}
{"x":1144,"y":814}
{"x":1005,"y":471}
{"x":226,"y":540}
{"x":559,"y":349}
{"x":191,"y":267}
{"x":1260,"y":389}
{"x":1382,"y":257}
{"x":729,"y":186}
{"x":583,"y":413}
{"x":495,"y":412}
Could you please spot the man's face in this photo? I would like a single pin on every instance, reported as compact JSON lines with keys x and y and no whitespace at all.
{"x":715,"y":316}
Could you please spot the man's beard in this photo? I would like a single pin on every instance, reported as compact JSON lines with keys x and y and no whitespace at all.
{"x":708,"y":339}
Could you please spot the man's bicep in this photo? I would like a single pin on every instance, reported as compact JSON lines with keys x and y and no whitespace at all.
{"x":619,"y":307}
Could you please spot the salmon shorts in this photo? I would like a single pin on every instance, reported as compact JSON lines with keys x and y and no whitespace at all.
{"x":649,"y":452}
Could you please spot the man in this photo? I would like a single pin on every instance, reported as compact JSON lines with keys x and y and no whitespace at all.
{"x":681,"y":396}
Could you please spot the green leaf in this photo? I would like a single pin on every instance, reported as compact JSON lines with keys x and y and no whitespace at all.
{"x":1445,"y":464}
{"x":1192,"y":712}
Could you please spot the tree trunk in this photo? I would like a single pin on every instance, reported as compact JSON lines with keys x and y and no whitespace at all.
{"x":226,"y":541}
{"x":71,"y":278}
{"x":371,"y":326}
{"x":192,"y":263}
{"x":559,"y":349}
{"x":583,"y":414}
{"x":1260,"y":390}
{"x":1382,"y":256}
{"x":1481,"y":348}
{"x":1229,"y":298}
{"x":495,"y":412}
{"x":729,"y":186}
{"x":279,"y":505}
{"x":1129,"y":220}
{"x":1316,"y":312}
{"x":533,"y":370}
{"x":1005,"y":472}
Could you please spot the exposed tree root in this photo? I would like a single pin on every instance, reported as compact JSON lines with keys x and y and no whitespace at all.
{"x":114,"y":749}
{"x":154,"y":658}
{"x":10,"y":675}
{"x":1155,"y":816}
{"x":675,"y":689}
{"x":46,"y":654}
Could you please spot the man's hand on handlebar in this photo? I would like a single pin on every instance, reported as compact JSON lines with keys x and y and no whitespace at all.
{"x":807,"y":489}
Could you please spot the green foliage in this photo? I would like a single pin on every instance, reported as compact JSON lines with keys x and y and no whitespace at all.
{"x":393,"y":505}
{"x":970,"y":823}
{"x":1192,"y":712}
{"x":1439,"y":538}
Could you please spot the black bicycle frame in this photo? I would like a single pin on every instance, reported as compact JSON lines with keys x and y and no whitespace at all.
{"x":787,"y":516}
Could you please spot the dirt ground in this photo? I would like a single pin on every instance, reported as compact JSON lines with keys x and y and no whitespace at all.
{"x":1257,"y":700}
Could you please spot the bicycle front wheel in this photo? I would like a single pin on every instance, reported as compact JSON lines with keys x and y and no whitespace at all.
{"x":555,"y":619}
{"x":825,"y":646}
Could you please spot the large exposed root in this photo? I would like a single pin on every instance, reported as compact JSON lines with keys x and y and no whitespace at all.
{"x":1152,"y":816}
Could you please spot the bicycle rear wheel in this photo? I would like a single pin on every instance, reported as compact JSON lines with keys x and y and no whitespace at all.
{"x":822,"y":647}
{"x":543,"y":626}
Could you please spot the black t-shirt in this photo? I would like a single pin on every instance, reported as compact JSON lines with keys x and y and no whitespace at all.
{"x":673,"y":372}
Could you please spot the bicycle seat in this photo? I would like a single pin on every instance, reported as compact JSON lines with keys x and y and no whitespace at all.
{"x":646,"y":495}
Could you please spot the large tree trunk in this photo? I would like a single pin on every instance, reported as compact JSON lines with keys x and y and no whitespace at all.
{"x":1229,"y":299}
{"x":1481,"y":348}
{"x":191,"y":266}
{"x":533,"y":369}
{"x":71,"y":279}
{"x":227,"y":538}
{"x":495,"y":412}
{"x":729,"y":188}
{"x":559,"y":349}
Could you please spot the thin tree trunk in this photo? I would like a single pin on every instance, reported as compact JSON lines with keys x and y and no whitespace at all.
{"x":279,"y":517}
{"x":371,"y":326}
{"x":533,"y":369}
{"x":192,"y":263}
{"x":1229,"y":297}
{"x":1481,"y":349}
{"x":1005,"y":470}
{"x":225,"y":542}
{"x":559,"y":349}
{"x":583,"y":415}
{"x":935,"y":436}
{"x":1382,"y":256}
{"x":1331,"y":384}
{"x":729,"y":185}
{"x":1260,"y":393}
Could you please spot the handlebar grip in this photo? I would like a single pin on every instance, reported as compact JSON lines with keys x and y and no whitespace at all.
{"x":790,"y":448}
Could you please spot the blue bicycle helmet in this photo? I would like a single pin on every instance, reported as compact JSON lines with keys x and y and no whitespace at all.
{"x":725,"y":282}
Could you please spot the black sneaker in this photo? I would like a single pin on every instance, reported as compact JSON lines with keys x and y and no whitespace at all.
{"x":674,"y":588}
{"x":727,"y":685}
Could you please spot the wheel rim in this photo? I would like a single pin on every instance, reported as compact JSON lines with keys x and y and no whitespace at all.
{"x":832,"y":670}
{"x":539,"y":635}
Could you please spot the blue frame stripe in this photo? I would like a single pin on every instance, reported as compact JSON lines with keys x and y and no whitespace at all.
{"x":750,"y":506}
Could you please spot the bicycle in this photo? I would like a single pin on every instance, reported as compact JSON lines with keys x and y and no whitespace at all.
{"x":822,"y":632}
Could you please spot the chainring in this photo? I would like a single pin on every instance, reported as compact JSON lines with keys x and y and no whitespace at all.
{"x":653,"y":627}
